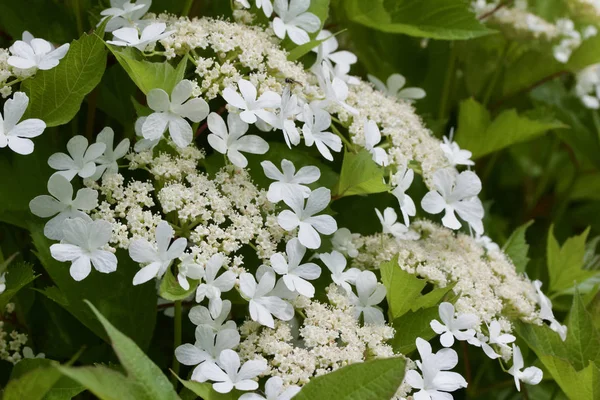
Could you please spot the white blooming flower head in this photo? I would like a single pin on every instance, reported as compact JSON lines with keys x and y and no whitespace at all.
{"x":369,"y":294}
{"x":454,"y":154}
{"x":227,"y":374}
{"x":81,"y":159}
{"x":316,"y":123}
{"x":274,"y":390}
{"x":158,"y":256}
{"x":233,"y":141}
{"x":487,"y":243}
{"x":372,"y":138}
{"x":266,"y":5}
{"x":125,"y":13}
{"x":394,"y":87}
{"x":217,"y":320}
{"x":14,"y":134}
{"x":402,"y":179}
{"x":213,"y":286}
{"x":35,"y":54}
{"x":455,"y":193}
{"x":82,"y":245}
{"x":130,"y":37}
{"x":304,"y":217}
{"x":251,"y":106}
{"x":170,"y":113}
{"x":296,"y":275}
{"x":107,"y":162}
{"x":263,"y":306}
{"x":390,"y":224}
{"x":327,"y":51}
{"x":336,"y":263}
{"x":189,"y":268}
{"x":284,"y":119}
{"x":143,"y":144}
{"x":546,"y":311}
{"x":496,"y":337}
{"x":333,"y":87}
{"x":294,"y":20}
{"x":588,"y":86}
{"x":342,"y":241}
{"x":460,"y":327}
{"x":530,"y":375}
{"x":287,"y":180}
{"x":61,"y":205}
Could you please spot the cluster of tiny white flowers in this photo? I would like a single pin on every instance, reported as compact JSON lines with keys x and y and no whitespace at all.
{"x":6,"y":72}
{"x":11,"y":344}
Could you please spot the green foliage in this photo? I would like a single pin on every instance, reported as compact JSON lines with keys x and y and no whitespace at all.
{"x":360,"y":175}
{"x":516,"y":247}
{"x":206,"y":392}
{"x":171,"y":290}
{"x":412,"y":325}
{"x":18,"y":276}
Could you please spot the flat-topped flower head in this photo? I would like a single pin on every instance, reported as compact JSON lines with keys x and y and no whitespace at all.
{"x":294,"y":20}
{"x":130,"y":37}
{"x":529,"y":375}
{"x":124,"y":13}
{"x":213,"y":286}
{"x":369,"y":294}
{"x":83,"y":245}
{"x":246,"y":100}
{"x":460,"y":327}
{"x":274,"y":390}
{"x":288,"y":180}
{"x":454,"y":154}
{"x":81,"y":159}
{"x":14,"y":134}
{"x":402,"y":179}
{"x":171,"y":113}
{"x":336,"y":263}
{"x":35,"y":54}
{"x":215,"y":319}
{"x":263,"y":306}
{"x":296,"y":275}
{"x":227,"y":373}
{"x":394,"y":87}
{"x":315,"y":130}
{"x":372,"y":139}
{"x":107,"y":162}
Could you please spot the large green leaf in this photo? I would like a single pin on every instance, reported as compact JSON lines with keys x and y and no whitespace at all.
{"x":360,"y":175}
{"x":412,"y":325}
{"x":516,"y":247}
{"x":106,"y":383}
{"x":33,"y":385}
{"x":64,"y":388}
{"x":18,"y":276}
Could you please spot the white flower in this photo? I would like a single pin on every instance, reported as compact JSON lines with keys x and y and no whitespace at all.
{"x":315,"y":125}
{"x":304,"y":217}
{"x":143,"y":144}
{"x":216,"y":320}
{"x":588,"y":86}
{"x":274,"y":390}
{"x":189,"y":268}
{"x":461,"y":327}
{"x":2,"y":282}
{"x":495,"y":337}
{"x":530,"y":375}
{"x":288,"y":180}
{"x":80,"y":160}
{"x":327,"y":51}
{"x":372,"y":138}
{"x":233,"y":141}
{"x":170,"y":113}
{"x":28,"y":353}
{"x":212,"y":287}
{"x":130,"y":37}
{"x":390,"y":224}
{"x":284,"y":119}
{"x":455,"y":192}
{"x":61,"y":205}
{"x":395,"y":83}
{"x":124,"y":13}
{"x":228,"y":375}
{"x":487,"y":243}
{"x":333,"y":87}
{"x":342,"y":242}
{"x":158,"y":256}
{"x":252,"y":107}
{"x":15,"y":134}
{"x":82,"y":244}
{"x":454,"y":154}
{"x":296,"y":275}
{"x":262,"y":306}
{"x":36,"y":53}
{"x":546,"y":311}
{"x":266,"y":5}
{"x":107,"y":162}
{"x":370,"y":293}
{"x":403,"y":178}
{"x":336,"y":263}
{"x":294,"y":20}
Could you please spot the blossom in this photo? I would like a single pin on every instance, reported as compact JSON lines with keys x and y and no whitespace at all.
{"x":124,"y":13}
{"x":284,"y":119}
{"x":233,"y":141}
{"x":274,"y":390}
{"x":266,"y":5}
{"x":487,"y":243}
{"x":460,"y":327}
{"x":130,"y":37}
{"x":370,"y":293}
{"x":143,"y":144}
{"x":107,"y":162}
{"x":495,"y":337}
{"x":188,"y":268}
{"x":393,"y":88}
{"x":336,"y":263}
{"x":227,"y":374}
{"x":2,"y":282}
{"x":61,"y":205}
{"x":288,"y":180}
{"x":530,"y":375}
{"x":372,"y":138}
{"x":454,"y":154}
{"x":296,"y":275}
{"x":294,"y":20}
{"x":80,"y":160}
{"x":158,"y":256}
{"x":546,"y":311}
{"x":212,"y":287}
{"x":171,"y":113}
{"x":327,"y":51}
{"x":15,"y":134}
{"x":402,"y":179}
{"x":36,"y":53}
{"x":315,"y":125}
{"x":252,"y":107}
{"x":342,"y":242}
{"x":82,"y":245}
{"x":390,"y":225}
{"x":303,"y":216}
{"x":262,"y":306}
{"x":215,"y":319}
{"x":334,"y":88}
{"x":455,"y":193}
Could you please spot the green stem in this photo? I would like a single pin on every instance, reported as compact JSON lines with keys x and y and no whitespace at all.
{"x":176,"y":339}
{"x":346,"y":141}
{"x":448,"y":80}
{"x":77,"y":10}
{"x":187,"y":7}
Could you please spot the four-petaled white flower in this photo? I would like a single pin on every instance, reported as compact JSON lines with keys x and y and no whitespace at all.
{"x":294,"y":20}
{"x":82,"y":245}
{"x":342,"y":242}
{"x":327,"y":51}
{"x":530,"y":375}
{"x":171,"y":113}
{"x":217,"y":320}
{"x":81,"y":159}
{"x":15,"y":134}
{"x":124,"y":13}
{"x":402,"y":179}
{"x":495,"y":337}
{"x":454,"y":154}
{"x":296,"y":275}
{"x":157,"y":257}
{"x":107,"y":162}
{"x":227,"y":374}
{"x":315,"y":132}
{"x":35,"y":53}
{"x":370,"y":293}
{"x":333,"y":87}
{"x":336,"y":263}
{"x":189,"y":268}
{"x":233,"y":141}
{"x":304,"y":217}
{"x":262,"y":305}
{"x":274,"y":390}
{"x":395,"y":83}
{"x":390,"y":224}
{"x":372,"y":138}
{"x":212,"y":287}
{"x":288,"y":180}
{"x":461,"y":327}
{"x":130,"y":37}
{"x":61,"y":205}
{"x":284,"y":119}
{"x":253,"y":107}
{"x":546,"y":311}
{"x":455,"y":193}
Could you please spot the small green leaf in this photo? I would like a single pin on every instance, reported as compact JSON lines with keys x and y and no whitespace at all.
{"x":170,"y":289}
{"x":401,"y":287}
{"x":18,"y":276}
{"x":106,"y":383}
{"x":360,"y":175}
{"x":33,"y":385}
{"x":412,"y":325}
{"x":516,"y":247}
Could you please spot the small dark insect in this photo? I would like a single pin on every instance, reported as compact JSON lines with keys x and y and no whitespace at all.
{"x":291,"y":81}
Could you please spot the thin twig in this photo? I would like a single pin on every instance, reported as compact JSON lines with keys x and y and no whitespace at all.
{"x":492,"y":12}
{"x":528,"y":88}
{"x":204,"y":126}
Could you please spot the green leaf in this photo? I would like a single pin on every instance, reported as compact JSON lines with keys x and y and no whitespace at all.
{"x":33,"y":385}
{"x":516,"y":247}
{"x":371,"y":380}
{"x":206,"y":392}
{"x":432,"y":298}
{"x":50,"y":20}
{"x":360,"y":175}
{"x":106,"y":383}
{"x":401,"y":287}
{"x":138,"y":366}
{"x":412,"y":325}
{"x":18,"y":276}
{"x":56,"y":95}
{"x":171,"y":290}
{"x":64,"y":388}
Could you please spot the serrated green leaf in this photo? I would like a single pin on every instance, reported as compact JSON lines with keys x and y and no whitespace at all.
{"x":360,"y":175}
{"x":432,"y":298}
{"x":412,"y":325}
{"x":18,"y":276}
{"x":516,"y":247}
{"x":171,"y":290}
{"x":401,"y":287}
{"x":106,"y":383}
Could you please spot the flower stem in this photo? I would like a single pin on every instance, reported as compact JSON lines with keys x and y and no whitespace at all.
{"x":176,"y":338}
{"x":187,"y":7}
